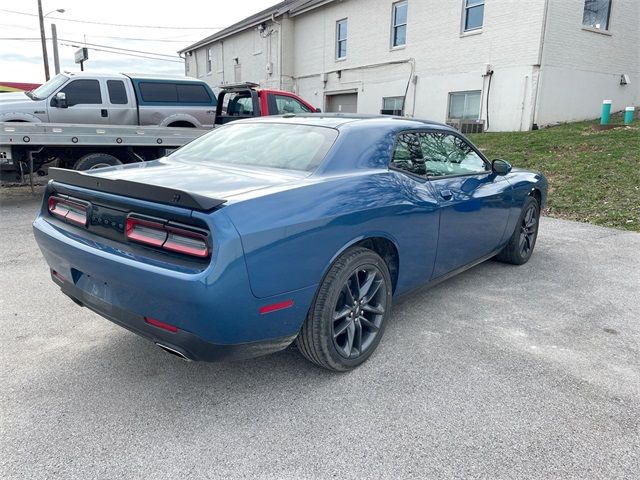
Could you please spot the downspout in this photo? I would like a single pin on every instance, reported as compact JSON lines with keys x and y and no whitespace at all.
{"x":222,"y":55}
{"x":543,"y":35}
{"x":273,"y":19}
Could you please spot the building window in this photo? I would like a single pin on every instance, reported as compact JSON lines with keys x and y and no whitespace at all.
{"x":209,"y":60}
{"x":399,"y":30}
{"x":597,"y":14}
{"x":341,"y":39}
{"x":473,"y":15}
{"x":464,"y":105}
{"x":393,"y":106}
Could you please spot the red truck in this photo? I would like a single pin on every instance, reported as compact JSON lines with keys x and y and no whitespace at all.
{"x":246,"y":100}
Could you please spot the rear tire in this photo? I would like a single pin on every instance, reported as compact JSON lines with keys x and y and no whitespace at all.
{"x":96,"y":160}
{"x":348,"y":316}
{"x":521,"y":244}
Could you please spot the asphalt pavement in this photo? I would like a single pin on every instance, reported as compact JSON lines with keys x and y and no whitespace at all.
{"x":502,"y":372}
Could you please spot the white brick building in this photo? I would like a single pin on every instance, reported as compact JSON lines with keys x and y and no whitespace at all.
{"x":511,"y":64}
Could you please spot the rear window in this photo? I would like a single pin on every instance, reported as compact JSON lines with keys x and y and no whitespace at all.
{"x":272,"y":145}
{"x":117,"y":92}
{"x":174,"y":92}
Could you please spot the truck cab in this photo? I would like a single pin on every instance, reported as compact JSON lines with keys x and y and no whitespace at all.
{"x":113,"y":99}
{"x":246,"y":100}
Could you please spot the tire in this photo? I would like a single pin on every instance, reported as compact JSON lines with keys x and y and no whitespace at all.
{"x":96,"y":160}
{"x":521,"y":244}
{"x":338,"y":335}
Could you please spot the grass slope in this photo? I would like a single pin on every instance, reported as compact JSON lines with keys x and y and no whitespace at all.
{"x":594,"y":176}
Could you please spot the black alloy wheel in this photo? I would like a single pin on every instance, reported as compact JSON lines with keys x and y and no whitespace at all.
{"x":359,"y":312}
{"x":523,"y":240}
{"x":347,"y":318}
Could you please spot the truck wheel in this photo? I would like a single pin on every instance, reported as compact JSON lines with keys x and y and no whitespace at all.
{"x":96,"y":160}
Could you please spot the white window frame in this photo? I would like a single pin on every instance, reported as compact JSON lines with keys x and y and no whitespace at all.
{"x":465,"y":8}
{"x":395,"y":99}
{"x":594,"y":28}
{"x":344,"y":40}
{"x":209,"y":59}
{"x":394,"y":25}
{"x":466,"y":93}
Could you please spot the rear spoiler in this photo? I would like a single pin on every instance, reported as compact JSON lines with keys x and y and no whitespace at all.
{"x":140,"y":191}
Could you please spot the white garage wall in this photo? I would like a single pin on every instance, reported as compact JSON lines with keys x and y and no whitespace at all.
{"x":444,"y":59}
{"x":581,"y":67}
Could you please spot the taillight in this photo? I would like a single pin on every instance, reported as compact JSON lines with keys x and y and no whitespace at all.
{"x":168,"y":237}
{"x":69,"y":210}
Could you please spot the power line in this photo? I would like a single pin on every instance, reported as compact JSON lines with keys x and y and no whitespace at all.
{"x":62,"y":19}
{"x":129,"y":54}
{"x":134,"y":39}
{"x":80,"y":43}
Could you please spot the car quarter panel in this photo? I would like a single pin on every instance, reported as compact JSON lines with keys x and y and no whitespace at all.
{"x":291,"y":238}
{"x":214,"y":303}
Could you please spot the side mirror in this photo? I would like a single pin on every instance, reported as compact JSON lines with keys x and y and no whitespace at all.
{"x":318,"y":110}
{"x":61,"y":100}
{"x":501,"y":167}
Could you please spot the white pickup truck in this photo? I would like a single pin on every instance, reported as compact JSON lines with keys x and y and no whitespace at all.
{"x":114,"y":99}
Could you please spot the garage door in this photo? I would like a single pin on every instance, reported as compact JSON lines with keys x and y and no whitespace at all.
{"x":343,"y":103}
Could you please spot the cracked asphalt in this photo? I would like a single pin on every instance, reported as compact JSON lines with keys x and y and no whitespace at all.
{"x":502,"y":372}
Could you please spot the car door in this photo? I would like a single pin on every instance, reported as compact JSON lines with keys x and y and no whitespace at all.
{"x":121,"y":110}
{"x":84,"y":103}
{"x":474,"y":201}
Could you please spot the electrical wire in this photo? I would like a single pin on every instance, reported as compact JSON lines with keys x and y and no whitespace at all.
{"x":129,"y":54}
{"x":62,"y":19}
{"x":79,"y":44}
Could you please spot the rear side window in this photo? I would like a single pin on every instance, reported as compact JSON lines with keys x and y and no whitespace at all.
{"x":117,"y":92}
{"x":408,"y":156}
{"x":158,"y":92}
{"x":174,"y":93}
{"x":81,"y":92}
{"x":193,"y":93}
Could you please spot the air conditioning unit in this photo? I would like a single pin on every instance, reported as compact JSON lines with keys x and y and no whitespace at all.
{"x":396,"y":113}
{"x":454,"y":123}
{"x":467,"y":126}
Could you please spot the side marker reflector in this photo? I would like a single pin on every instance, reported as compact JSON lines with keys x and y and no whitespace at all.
{"x":159,"y":324}
{"x":274,"y":307}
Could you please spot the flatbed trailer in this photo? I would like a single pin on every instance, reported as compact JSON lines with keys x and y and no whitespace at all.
{"x":26,"y":147}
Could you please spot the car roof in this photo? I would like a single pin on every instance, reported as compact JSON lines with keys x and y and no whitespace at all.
{"x":340,"y":120}
{"x":89,"y":74}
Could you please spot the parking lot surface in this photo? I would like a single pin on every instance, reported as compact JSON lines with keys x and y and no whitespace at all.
{"x":501,"y":372}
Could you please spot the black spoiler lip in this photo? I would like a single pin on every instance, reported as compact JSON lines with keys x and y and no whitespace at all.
{"x":140,"y":191}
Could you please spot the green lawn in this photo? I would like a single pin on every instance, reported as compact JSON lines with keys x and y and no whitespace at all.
{"x":594,"y":176}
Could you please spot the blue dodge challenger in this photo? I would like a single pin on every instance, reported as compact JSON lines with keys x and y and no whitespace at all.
{"x":282,"y":229}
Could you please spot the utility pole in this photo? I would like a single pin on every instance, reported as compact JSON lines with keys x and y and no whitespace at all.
{"x":45,"y":58}
{"x":54,"y":39}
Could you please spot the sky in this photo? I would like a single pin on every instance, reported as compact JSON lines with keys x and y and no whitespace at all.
{"x":184,"y":22}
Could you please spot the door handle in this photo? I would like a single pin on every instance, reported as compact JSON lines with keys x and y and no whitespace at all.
{"x":446,"y":194}
{"x":104,"y":112}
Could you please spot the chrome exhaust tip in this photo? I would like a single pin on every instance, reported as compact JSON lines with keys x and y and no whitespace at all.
{"x":173,"y":351}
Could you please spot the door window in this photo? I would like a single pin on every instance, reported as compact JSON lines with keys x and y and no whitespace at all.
{"x":285,"y":104}
{"x":117,"y":92}
{"x":447,"y":154}
{"x":407,"y":154}
{"x":81,"y":92}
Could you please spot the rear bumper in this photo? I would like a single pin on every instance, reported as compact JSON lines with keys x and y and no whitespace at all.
{"x":186,"y":344}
